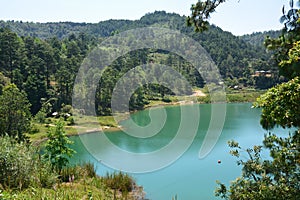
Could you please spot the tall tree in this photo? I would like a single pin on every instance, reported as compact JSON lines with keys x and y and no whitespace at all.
{"x":12,"y":56}
{"x":9,"y":50}
{"x":40,"y":66}
{"x":14,"y":113}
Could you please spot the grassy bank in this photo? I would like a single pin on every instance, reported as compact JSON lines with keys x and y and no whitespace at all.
{"x":88,"y":188}
{"x":243,"y":96}
{"x":78,"y":182}
{"x":235,"y":96}
{"x":26,"y":174}
{"x":82,"y":124}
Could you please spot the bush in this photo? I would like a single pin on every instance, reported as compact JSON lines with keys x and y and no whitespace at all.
{"x":48,"y":121}
{"x":70,"y":121}
{"x":71,"y":173}
{"x":119,"y":181}
{"x":15,"y":164}
{"x":40,"y":117}
{"x":20,"y":166}
{"x":67,"y":109}
{"x":34,"y":129}
{"x":43,"y":175}
{"x":89,"y":170}
{"x":166,"y":100}
{"x":205,"y":99}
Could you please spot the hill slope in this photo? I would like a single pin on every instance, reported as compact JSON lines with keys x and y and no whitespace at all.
{"x":258,"y":38}
{"x":43,"y":59}
{"x":235,"y":56}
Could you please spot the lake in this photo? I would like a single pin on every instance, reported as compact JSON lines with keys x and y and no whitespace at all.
{"x":188,"y":177}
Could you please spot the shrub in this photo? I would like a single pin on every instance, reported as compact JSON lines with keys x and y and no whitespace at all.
{"x":34,"y":129}
{"x":67,"y":109}
{"x":70,"y":121}
{"x":20,"y":166}
{"x":166,"y":100}
{"x":15,"y":163}
{"x":57,"y":150}
{"x":119,"y":181}
{"x":43,"y":175}
{"x":89,"y":169}
{"x":71,"y":173}
{"x":40,"y":117}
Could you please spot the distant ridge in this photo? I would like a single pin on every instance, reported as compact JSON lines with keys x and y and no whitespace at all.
{"x":106,"y":28}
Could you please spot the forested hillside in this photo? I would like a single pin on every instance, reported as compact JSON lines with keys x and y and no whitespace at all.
{"x":258,"y":38}
{"x":43,"y":59}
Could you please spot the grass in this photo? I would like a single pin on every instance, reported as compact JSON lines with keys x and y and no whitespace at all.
{"x":83,"y":124}
{"x":243,"y":97}
{"x":78,"y":190}
{"x":86,"y":185}
{"x":90,"y":188}
{"x":236,"y":96}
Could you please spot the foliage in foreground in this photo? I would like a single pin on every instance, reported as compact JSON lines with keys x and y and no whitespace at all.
{"x":275,"y":178}
{"x":85,"y":185}
{"x":281,"y":105}
{"x":119,"y":182}
{"x":14,"y":112}
{"x":279,"y":176}
{"x":21,"y":166}
{"x":57,"y":149}
{"x":24,"y":175}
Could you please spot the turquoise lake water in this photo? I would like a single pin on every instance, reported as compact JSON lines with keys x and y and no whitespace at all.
{"x":188,"y":177}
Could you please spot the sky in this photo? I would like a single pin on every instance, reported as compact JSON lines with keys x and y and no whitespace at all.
{"x":237,"y":16}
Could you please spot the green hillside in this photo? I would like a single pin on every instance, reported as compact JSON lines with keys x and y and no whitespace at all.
{"x":43,"y":59}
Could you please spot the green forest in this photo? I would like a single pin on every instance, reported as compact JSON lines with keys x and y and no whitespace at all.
{"x":43,"y":59}
{"x":39,"y":63}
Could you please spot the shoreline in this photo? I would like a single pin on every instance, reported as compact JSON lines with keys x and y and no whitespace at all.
{"x":198,"y":97}
{"x":105,"y":128}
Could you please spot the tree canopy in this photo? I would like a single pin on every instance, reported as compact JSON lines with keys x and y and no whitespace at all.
{"x":281,"y":105}
{"x":43,"y":60}
{"x":201,"y":12}
{"x":14,"y":113}
{"x":57,"y":150}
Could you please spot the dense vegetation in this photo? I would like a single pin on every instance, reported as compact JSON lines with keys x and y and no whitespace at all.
{"x":26,"y":173}
{"x":258,"y":38}
{"x":43,"y":59}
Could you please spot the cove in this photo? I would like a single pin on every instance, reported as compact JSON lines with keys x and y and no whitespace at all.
{"x":189,"y":177}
